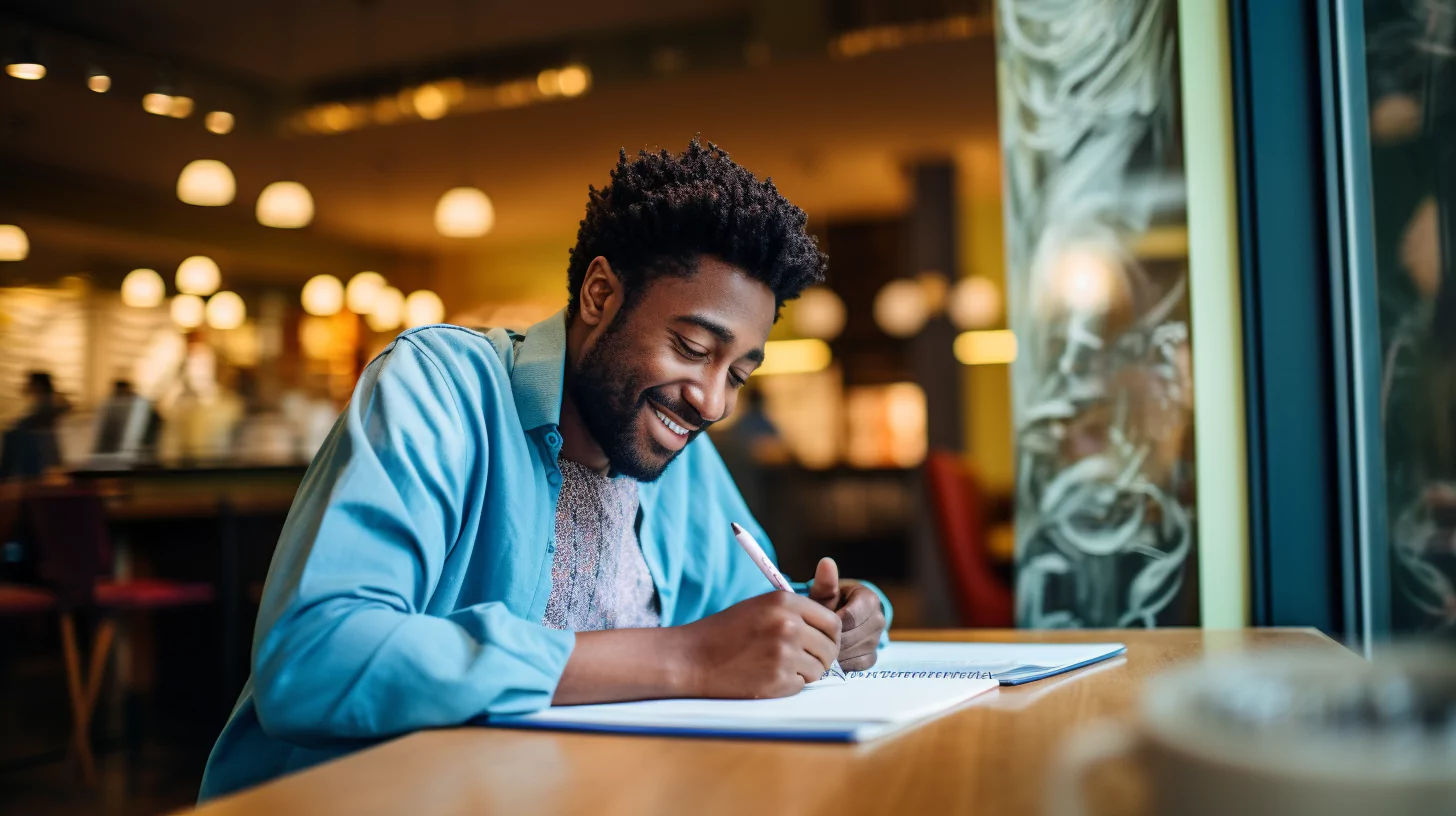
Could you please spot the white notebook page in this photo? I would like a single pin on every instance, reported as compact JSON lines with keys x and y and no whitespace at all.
{"x":868,"y":701}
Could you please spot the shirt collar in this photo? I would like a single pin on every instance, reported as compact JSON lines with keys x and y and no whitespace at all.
{"x":537,"y":377}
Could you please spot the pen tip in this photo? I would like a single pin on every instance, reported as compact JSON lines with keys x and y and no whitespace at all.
{"x":736,"y":529}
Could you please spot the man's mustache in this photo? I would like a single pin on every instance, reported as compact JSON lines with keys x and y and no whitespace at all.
{"x":688,"y":413}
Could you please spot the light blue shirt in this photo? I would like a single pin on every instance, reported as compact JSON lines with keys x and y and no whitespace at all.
{"x":409,"y":584}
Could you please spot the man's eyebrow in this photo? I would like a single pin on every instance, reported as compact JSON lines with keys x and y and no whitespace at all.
{"x":724,"y":334}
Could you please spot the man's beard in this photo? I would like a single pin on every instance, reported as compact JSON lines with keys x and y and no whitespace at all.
{"x":609,"y":398}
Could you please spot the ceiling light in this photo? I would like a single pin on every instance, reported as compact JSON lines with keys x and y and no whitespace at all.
{"x":901,"y":308}
{"x":98,"y":80}
{"x":198,"y":275}
{"x":143,"y":289}
{"x":181,"y":107}
{"x":26,"y":62}
{"x":206,"y":183}
{"x":363,"y":292}
{"x":225,"y":311}
{"x":285,"y":205}
{"x":574,"y":80}
{"x":548,"y":82}
{"x":388,"y":310}
{"x":464,"y":212}
{"x":818,"y":313}
{"x":423,"y":308}
{"x":975,"y":303}
{"x":158,"y":103}
{"x":431,"y":102}
{"x":323,"y":296}
{"x":14,"y":245}
{"x":219,"y":122}
{"x":188,"y":311}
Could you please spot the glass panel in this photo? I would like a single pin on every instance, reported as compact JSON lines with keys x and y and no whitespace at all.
{"x":1097,"y":265}
{"x":1411,"y":74}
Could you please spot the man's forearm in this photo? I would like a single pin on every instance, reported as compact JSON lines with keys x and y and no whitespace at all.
{"x":617,"y":665}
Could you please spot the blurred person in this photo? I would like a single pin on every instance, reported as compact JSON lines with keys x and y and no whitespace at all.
{"x":127,"y":425}
{"x":499,"y":522}
{"x":29,"y":448}
{"x":750,"y":446}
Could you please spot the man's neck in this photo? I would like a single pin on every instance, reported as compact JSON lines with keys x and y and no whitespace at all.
{"x":577,"y":443}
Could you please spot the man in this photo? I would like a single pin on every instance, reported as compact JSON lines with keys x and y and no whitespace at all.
{"x":498,"y":522}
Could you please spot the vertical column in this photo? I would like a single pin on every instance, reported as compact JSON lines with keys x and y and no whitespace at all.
{"x":1097,"y":278}
{"x":932,"y":253}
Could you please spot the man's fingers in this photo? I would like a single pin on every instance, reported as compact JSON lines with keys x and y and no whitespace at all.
{"x":817,"y":616}
{"x":861,"y":605}
{"x":861,"y":663}
{"x":825,"y":589}
{"x":820,"y":647}
{"x":861,"y":641}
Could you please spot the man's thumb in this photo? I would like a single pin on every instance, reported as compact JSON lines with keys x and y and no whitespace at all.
{"x":825,"y":588}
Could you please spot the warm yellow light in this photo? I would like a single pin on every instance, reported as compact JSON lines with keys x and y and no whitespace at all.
{"x":323,"y":296}
{"x":188,"y":311}
{"x":26,"y":70}
{"x":431,"y":102}
{"x":996,"y":347}
{"x":818,"y":313}
{"x":225,"y":311}
{"x":464,"y":212}
{"x":388,"y":310}
{"x":98,"y":82}
{"x":143,"y":289}
{"x":794,"y":357}
{"x":574,"y":80}
{"x":206,"y":183}
{"x":219,"y":122}
{"x":900,"y":308}
{"x":1084,"y":278}
{"x":363,"y":292}
{"x":285,"y":205}
{"x":316,"y":336}
{"x":181,"y":107}
{"x":423,"y":308}
{"x":198,"y":275}
{"x":14,"y":245}
{"x":335,"y":116}
{"x":158,"y":103}
{"x":548,"y":82}
{"x":975,"y":303}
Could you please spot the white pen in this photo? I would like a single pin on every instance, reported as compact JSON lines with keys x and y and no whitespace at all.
{"x":750,"y":546}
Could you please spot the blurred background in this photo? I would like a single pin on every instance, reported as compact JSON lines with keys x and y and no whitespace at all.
{"x":212,"y":216}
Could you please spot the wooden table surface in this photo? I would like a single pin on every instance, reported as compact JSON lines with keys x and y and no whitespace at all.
{"x":989,"y":757}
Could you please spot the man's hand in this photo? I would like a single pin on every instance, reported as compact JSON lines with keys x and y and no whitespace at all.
{"x":861,"y":616}
{"x":766,"y":646}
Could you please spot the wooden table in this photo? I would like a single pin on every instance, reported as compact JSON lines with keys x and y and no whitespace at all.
{"x":989,"y":757}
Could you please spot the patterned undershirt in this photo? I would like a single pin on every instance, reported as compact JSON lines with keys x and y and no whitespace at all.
{"x":599,"y":579}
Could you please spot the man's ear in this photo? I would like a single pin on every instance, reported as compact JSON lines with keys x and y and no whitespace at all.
{"x":600,"y":295}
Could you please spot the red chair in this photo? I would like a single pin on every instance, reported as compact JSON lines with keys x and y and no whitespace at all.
{"x":982,"y":598}
{"x":67,"y":527}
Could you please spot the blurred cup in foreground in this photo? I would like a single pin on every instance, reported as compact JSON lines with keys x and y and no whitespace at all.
{"x":1284,"y":734}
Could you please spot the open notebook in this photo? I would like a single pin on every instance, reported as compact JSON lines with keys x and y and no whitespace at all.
{"x":910,"y":682}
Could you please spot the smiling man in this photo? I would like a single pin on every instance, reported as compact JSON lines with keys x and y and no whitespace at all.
{"x":500,"y":522}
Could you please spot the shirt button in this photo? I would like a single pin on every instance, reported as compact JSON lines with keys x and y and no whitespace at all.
{"x":553,"y":438}
{"x":554,"y":477}
{"x":550,"y":548}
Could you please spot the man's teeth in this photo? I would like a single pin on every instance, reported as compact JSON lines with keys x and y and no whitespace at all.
{"x":672,"y":426}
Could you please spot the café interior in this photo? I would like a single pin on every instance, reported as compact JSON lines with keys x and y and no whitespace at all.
{"x":214,"y":216}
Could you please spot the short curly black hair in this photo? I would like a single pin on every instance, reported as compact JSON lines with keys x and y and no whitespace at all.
{"x":661,"y":212}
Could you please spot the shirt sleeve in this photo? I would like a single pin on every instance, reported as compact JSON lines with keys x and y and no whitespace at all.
{"x":344,"y":648}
